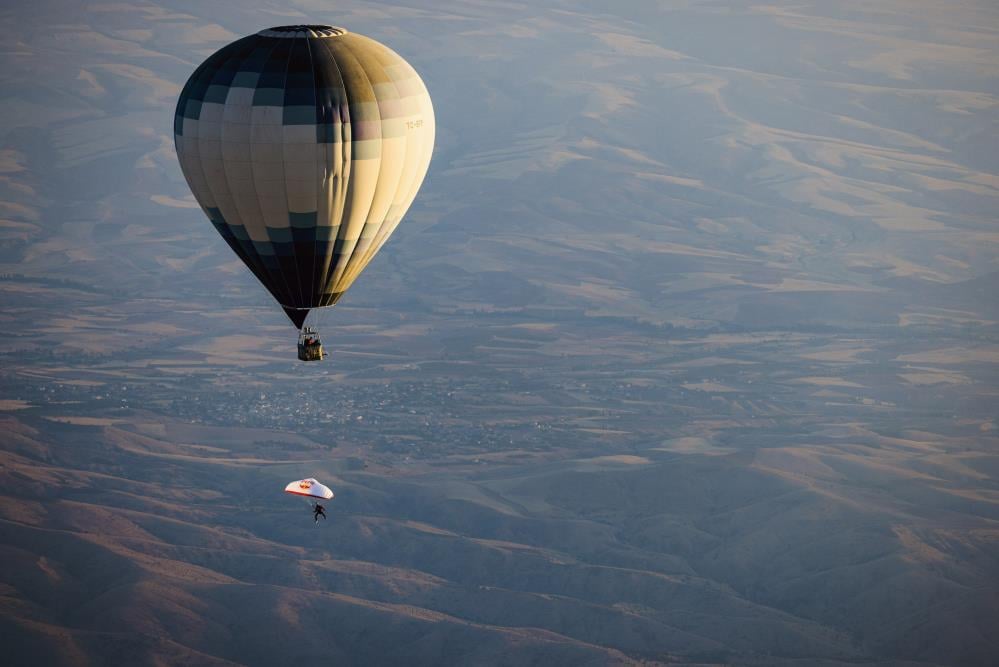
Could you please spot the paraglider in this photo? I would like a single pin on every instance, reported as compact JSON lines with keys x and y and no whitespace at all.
{"x":312,"y":490}
{"x":305,"y":145}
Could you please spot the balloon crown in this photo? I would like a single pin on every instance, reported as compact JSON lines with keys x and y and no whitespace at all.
{"x":303,"y":31}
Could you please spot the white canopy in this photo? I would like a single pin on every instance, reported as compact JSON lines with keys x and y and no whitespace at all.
{"x":309,"y":487}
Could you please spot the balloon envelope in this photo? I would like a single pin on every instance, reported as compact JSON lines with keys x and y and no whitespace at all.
{"x":309,"y":487}
{"x":305,"y":146}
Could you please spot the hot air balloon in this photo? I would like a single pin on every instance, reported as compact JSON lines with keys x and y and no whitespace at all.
{"x":305,"y":145}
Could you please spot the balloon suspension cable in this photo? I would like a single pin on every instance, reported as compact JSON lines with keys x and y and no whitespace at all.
{"x":318,"y":319}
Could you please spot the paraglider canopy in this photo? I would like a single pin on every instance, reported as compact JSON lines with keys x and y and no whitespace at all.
{"x":309,"y":487}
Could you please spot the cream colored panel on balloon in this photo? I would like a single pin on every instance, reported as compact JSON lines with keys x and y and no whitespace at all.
{"x":392,"y":163}
{"x":265,"y":134}
{"x":239,"y":176}
{"x":360,"y":192}
{"x":275,"y":211}
{"x":190,"y":163}
{"x":210,"y":151}
{"x":267,"y":115}
{"x":236,"y":156}
{"x":332,"y":200}
{"x":419,"y":147}
{"x":190,"y":128}
{"x":301,"y":192}
{"x":211,"y":112}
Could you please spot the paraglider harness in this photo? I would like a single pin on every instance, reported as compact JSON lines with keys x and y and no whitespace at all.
{"x":310,"y":347}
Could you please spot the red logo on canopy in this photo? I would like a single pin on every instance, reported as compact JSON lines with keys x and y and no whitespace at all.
{"x":305,"y":484}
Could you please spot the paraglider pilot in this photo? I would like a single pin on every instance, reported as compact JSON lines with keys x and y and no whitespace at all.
{"x":317,"y":511}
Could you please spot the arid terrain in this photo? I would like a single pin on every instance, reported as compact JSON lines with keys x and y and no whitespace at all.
{"x":687,"y":352}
